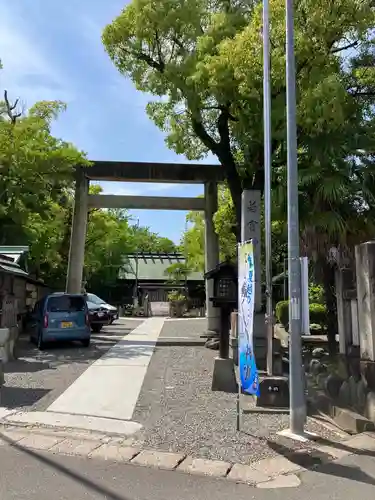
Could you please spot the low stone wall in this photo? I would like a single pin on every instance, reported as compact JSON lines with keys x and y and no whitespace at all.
{"x":347,"y":382}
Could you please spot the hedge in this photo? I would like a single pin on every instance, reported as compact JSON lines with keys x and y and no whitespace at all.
{"x":318,"y":313}
{"x":282,"y":312}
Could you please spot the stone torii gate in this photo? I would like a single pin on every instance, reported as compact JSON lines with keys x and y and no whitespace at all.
{"x":209,"y":175}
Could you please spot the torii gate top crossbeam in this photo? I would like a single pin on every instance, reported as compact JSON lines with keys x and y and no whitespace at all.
{"x":153,"y":172}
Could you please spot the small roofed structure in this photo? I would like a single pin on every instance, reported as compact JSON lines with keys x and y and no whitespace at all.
{"x":18,"y":292}
{"x":151,"y":275}
{"x":153,"y":267}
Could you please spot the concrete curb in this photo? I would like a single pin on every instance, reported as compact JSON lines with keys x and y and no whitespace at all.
{"x":117,"y":449}
{"x":344,"y":418}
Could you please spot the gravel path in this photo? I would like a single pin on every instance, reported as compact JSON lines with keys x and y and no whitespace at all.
{"x":37,"y":378}
{"x":192,"y":328}
{"x":180,"y":413}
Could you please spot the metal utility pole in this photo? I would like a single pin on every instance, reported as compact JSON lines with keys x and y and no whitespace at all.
{"x":296,"y":376}
{"x":267,"y":180}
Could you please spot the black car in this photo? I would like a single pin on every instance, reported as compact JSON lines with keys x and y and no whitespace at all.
{"x":94,"y":300}
{"x":98,"y":317}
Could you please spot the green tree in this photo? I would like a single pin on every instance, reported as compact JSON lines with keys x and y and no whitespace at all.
{"x":193,"y":239}
{"x":37,"y":197}
{"x":108,"y":240}
{"x":177,"y":273}
{"x":35,"y":167}
{"x":144,"y":240}
{"x":193,"y":242}
{"x":35,"y":181}
{"x":205,"y":60}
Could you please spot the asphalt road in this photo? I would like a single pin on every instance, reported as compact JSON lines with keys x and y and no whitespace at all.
{"x":36,"y":379}
{"x":27,"y":475}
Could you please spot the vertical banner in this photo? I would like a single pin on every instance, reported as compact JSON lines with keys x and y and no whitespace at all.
{"x":250,"y":231}
{"x":246,"y":301}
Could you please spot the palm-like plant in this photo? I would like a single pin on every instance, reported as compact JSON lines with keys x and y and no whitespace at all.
{"x":337,"y":210}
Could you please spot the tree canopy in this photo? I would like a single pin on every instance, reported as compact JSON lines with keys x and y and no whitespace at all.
{"x":36,"y":200}
{"x":35,"y":167}
{"x":203,"y":63}
{"x":193,"y":238}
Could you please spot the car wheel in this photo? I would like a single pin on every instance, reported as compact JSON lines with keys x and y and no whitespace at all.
{"x":96,"y":328}
{"x":86,"y":342}
{"x":40,"y":343}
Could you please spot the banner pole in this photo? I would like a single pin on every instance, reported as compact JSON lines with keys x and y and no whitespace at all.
{"x":239,"y":409}
{"x":239,"y":415}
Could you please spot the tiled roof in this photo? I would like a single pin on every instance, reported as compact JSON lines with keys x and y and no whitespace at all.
{"x":15,"y":253}
{"x":152,"y":266}
{"x":8,"y":265}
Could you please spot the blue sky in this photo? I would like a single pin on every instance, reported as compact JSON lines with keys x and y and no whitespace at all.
{"x":52,"y":50}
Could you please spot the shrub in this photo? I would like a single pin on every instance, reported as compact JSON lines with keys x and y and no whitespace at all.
{"x":282,"y":312}
{"x":176,"y":296}
{"x":318,"y":313}
{"x":316,"y":294}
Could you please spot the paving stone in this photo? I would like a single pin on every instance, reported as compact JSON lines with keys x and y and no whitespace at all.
{"x":12,"y":435}
{"x":213,"y":468}
{"x":245,"y":474}
{"x":369,"y":434}
{"x":275,"y":466}
{"x":160,"y":459}
{"x":75,"y":447}
{"x":333,"y":451}
{"x":38,"y":441}
{"x":361,"y":442}
{"x":289,"y":481}
{"x":114,"y":452}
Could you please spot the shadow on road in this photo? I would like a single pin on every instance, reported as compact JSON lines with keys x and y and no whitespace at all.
{"x":74,"y":475}
{"x":317,"y":460}
{"x":23,"y":365}
{"x":30,"y":359}
{"x":15,"y":397}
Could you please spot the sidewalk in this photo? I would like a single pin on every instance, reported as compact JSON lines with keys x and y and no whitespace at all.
{"x":36,"y":475}
{"x":284,"y":465}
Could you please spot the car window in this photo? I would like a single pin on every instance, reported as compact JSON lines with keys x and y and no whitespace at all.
{"x":66,"y":303}
{"x":95,"y":299}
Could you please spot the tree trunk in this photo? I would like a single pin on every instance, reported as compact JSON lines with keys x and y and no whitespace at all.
{"x":236,"y":191}
{"x":328,"y":281}
{"x":235,"y":186}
